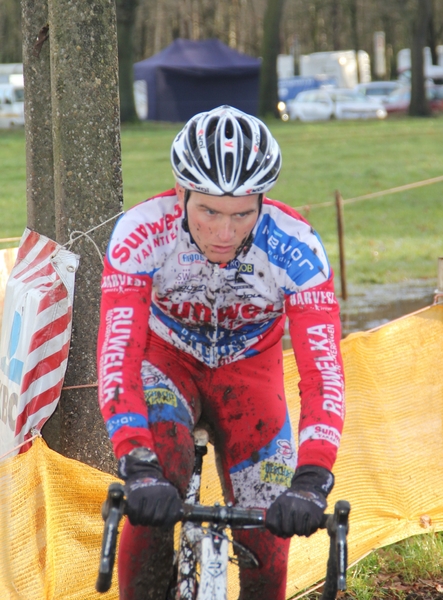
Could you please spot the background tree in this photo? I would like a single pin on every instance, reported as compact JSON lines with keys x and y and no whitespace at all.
{"x":10,"y":32}
{"x":420,"y":17}
{"x":335,"y":24}
{"x":126,"y":15}
{"x":147,"y":26}
{"x":268,"y":99}
{"x":434,"y":33}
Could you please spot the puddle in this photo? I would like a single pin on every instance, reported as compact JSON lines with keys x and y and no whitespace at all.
{"x":370,"y":306}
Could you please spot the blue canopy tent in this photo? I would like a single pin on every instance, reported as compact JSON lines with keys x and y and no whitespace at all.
{"x":192,"y":76}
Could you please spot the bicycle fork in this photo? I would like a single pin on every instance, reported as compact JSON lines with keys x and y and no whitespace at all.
{"x":214,"y":580}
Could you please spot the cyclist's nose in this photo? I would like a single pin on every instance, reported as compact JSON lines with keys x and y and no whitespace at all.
{"x":225,"y":230}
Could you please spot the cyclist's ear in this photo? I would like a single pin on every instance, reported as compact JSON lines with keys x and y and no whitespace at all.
{"x":180,"y":191}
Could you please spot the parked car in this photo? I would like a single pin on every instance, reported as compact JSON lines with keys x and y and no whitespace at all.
{"x":398,"y":102}
{"x":12,"y":111}
{"x":321,"y":105}
{"x":378,"y":90}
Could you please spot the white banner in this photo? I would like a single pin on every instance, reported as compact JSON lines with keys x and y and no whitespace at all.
{"x":35,"y":337}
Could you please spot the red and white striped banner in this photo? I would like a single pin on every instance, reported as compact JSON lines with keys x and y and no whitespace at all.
{"x":35,"y":337}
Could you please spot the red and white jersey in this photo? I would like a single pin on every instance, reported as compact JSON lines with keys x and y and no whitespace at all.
{"x":155,"y":278}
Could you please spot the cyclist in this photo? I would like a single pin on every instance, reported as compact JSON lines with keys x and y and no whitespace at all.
{"x":197,"y":284}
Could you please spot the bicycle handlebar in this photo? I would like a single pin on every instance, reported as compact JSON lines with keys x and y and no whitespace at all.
{"x":336,"y":524}
{"x":233,"y":516}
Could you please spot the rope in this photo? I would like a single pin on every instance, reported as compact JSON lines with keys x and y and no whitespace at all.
{"x":82,"y":234}
{"x":84,"y":385}
{"x":36,"y":434}
{"x":402,"y":188}
{"x":11,"y":239}
{"x":75,"y":236}
{"x":85,"y":234}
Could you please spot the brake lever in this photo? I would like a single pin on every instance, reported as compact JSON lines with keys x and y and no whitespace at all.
{"x":337,"y":526}
{"x":112,"y":512}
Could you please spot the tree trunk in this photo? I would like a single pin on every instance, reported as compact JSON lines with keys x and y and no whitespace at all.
{"x":420,"y":18}
{"x":38,"y":117}
{"x":88,"y":191}
{"x":353,"y":13}
{"x":432,"y":37}
{"x":270,"y":49}
{"x":335,"y":24}
{"x":10,"y":32}
{"x":126,"y":14}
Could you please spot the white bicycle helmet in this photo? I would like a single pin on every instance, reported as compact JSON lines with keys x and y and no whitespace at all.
{"x":225,"y":152}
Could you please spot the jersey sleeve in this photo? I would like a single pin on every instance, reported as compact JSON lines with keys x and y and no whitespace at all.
{"x":122,"y":337}
{"x":315,"y":331}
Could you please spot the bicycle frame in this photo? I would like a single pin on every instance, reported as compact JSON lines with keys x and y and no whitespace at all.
{"x":191,"y":535}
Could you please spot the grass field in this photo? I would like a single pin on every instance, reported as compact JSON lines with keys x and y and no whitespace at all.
{"x":389,"y":239}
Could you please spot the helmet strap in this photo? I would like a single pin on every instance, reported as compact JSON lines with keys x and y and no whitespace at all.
{"x":247,"y":242}
{"x":185,"y":224}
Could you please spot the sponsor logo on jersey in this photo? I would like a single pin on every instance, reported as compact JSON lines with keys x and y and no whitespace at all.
{"x":287,"y":252}
{"x":311,"y":297}
{"x":124,"y":420}
{"x":198,"y":312}
{"x":188,"y":288}
{"x":284,"y":449}
{"x":140,"y":243}
{"x":121,"y":280}
{"x":320,"y":432}
{"x":160,"y":396}
{"x":242,"y":268}
{"x":150,"y":380}
{"x":188,"y":258}
{"x":118,"y":333}
{"x":322,"y":345}
{"x":277,"y":473}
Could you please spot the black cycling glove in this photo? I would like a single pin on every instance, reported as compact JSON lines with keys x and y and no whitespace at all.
{"x":150,"y":498}
{"x":299,"y":510}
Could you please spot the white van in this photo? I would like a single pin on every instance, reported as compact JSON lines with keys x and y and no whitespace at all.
{"x":12,"y":106}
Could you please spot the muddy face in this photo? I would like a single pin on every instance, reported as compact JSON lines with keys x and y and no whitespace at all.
{"x":220,"y":225}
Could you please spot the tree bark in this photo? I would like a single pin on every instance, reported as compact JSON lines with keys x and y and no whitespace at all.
{"x":38,"y":117}
{"x":420,"y":18}
{"x":88,"y":191}
{"x":270,"y":48}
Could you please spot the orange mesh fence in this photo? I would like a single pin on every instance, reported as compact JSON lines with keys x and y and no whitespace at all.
{"x":389,"y":468}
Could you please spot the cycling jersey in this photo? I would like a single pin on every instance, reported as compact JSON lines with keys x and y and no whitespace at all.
{"x":157,"y":281}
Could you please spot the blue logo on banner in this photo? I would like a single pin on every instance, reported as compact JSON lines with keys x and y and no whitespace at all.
{"x":12,"y":367}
